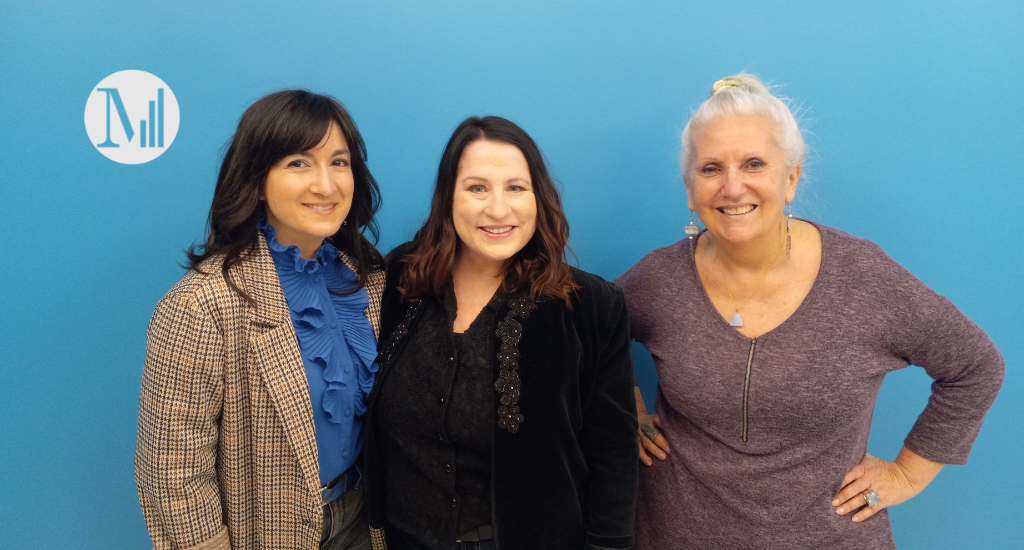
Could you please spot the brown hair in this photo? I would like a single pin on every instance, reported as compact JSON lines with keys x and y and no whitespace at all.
{"x":281,"y":124}
{"x":540,"y":265}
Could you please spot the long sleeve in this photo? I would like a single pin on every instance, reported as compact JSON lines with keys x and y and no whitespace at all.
{"x":608,"y":436}
{"x":930,"y":332}
{"x":802,"y":393}
{"x":180,"y":404}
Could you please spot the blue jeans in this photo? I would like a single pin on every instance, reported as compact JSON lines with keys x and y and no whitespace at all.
{"x":345,"y":526}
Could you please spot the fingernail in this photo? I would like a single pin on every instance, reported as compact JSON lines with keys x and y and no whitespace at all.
{"x":856,"y":520}
{"x":662,"y":456}
{"x":835,"y":502}
{"x":840,"y":511}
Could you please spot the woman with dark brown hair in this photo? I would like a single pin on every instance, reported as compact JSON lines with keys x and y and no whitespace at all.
{"x":260,"y":359}
{"x":502,"y":415}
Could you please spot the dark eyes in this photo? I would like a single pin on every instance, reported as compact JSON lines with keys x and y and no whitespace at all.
{"x":302,"y":163}
{"x":756,"y":164}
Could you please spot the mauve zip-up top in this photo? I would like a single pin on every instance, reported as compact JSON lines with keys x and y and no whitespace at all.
{"x":764,"y":429}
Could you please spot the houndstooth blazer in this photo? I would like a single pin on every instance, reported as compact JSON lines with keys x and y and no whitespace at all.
{"x":226,"y":455}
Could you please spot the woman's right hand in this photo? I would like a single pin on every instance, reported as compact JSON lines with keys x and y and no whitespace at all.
{"x":659,"y":445}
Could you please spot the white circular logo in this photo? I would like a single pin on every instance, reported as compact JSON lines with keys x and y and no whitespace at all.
{"x":131,"y":117}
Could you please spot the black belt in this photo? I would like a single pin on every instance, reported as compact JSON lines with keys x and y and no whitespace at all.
{"x":484,"y":532}
{"x":337,"y":486}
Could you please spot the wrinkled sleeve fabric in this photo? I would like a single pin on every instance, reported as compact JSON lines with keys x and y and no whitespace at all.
{"x":967,"y":368}
{"x":608,"y":435}
{"x":634,"y":287}
{"x":179,"y":409}
{"x":632,"y":284}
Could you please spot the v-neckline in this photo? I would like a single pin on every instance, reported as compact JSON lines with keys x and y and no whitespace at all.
{"x":692,"y":260}
{"x":452,"y":308}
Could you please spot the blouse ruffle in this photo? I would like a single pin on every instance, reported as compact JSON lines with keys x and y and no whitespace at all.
{"x":300,"y":280}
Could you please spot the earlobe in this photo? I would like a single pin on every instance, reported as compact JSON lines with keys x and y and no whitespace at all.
{"x":794,"y":180}
{"x":689,"y":198}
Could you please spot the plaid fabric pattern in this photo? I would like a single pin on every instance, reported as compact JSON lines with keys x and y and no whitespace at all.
{"x":226,"y":454}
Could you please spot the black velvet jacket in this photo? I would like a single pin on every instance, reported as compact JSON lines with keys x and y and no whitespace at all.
{"x":565,"y":465}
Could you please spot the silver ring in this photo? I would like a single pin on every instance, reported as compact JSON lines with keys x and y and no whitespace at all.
{"x":649,"y":430}
{"x":870,"y":497}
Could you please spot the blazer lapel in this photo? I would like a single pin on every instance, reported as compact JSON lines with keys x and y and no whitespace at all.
{"x":277,"y":356}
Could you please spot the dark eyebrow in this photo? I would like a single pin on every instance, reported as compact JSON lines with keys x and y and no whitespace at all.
{"x":339,"y":152}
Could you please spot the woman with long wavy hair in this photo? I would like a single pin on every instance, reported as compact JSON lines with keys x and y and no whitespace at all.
{"x":260,"y":358}
{"x":502,"y":416}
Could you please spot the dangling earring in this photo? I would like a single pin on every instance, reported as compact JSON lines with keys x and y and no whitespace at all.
{"x":789,"y":222}
{"x":691,"y":228}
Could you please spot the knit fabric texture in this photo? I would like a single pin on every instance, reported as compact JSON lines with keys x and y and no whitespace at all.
{"x":809,"y":398}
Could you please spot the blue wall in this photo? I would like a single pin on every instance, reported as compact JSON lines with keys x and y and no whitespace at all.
{"x":917,"y":131}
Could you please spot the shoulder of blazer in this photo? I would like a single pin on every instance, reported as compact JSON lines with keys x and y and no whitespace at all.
{"x":595,"y":290}
{"x":254,"y":274}
{"x":597,"y":301}
{"x":204,"y":285}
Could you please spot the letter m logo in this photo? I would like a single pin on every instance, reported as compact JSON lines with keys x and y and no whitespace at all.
{"x":114,"y":97}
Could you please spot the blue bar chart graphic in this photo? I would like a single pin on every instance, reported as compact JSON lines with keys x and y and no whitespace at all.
{"x":152,"y":124}
{"x":160,"y":115}
{"x":155,"y":123}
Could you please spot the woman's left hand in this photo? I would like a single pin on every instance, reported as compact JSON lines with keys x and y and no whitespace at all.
{"x":894,"y":482}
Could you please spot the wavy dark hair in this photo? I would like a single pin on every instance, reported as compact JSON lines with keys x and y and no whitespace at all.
{"x":275,"y":126}
{"x":540,"y":265}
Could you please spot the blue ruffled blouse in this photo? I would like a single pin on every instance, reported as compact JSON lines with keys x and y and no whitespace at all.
{"x":337,"y":343}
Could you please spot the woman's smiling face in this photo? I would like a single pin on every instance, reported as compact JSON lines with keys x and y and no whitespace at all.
{"x":738,"y":180}
{"x":494,"y":209}
{"x":308,"y":194}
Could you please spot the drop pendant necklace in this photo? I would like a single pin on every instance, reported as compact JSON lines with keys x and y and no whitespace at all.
{"x":737,"y":319}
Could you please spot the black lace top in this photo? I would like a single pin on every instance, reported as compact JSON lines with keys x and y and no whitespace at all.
{"x":435,"y":416}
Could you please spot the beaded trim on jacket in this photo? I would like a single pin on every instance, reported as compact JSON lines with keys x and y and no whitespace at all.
{"x":508,"y":384}
{"x":400,"y":331}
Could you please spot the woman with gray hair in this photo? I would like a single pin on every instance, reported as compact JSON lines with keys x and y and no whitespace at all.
{"x":771,"y":336}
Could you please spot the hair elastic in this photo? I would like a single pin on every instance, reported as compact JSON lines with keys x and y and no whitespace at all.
{"x":728,"y":82}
